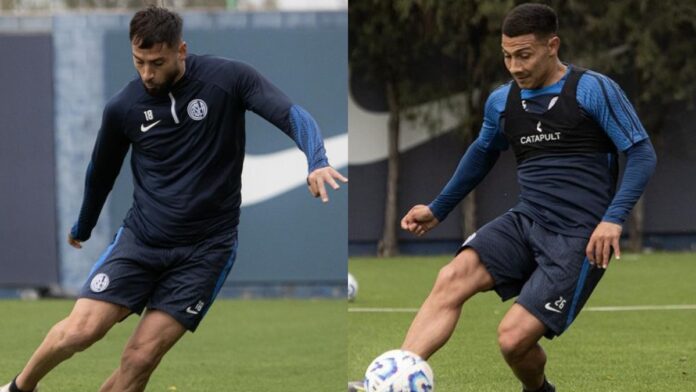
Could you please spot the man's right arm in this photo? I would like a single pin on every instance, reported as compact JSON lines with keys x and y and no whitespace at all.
{"x":473,"y":167}
{"x":478,"y":160}
{"x":107,"y":157}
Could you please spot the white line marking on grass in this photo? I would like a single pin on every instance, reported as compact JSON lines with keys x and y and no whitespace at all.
{"x":639,"y":307}
{"x":589,"y":309}
{"x":383,"y":310}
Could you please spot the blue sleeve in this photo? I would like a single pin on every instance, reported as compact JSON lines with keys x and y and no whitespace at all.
{"x":306,"y":134}
{"x":478,"y":160}
{"x":640,"y":165}
{"x":472,"y":168}
{"x":109,"y":151}
{"x":604,"y":101}
{"x":266,"y":100}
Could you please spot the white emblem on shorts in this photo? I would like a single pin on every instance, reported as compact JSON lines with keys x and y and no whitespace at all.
{"x":196,"y":309}
{"x":99,"y":283}
{"x":471,"y":237}
{"x":559,"y":305}
{"x":197,"y":109}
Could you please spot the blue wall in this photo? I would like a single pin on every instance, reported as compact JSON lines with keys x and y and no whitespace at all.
{"x":27,"y":187}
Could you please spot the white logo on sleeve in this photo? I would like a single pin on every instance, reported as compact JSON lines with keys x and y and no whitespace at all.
{"x":197,"y":109}
{"x":557,"y":306}
{"x":99,"y":283}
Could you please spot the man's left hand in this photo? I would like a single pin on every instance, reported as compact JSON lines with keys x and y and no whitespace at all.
{"x":317,"y":180}
{"x":605,"y":238}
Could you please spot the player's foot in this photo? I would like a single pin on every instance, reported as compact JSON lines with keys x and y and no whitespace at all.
{"x":353,"y":386}
{"x":547,"y":387}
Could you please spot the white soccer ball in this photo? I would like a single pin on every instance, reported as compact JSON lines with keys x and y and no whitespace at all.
{"x":352,"y":287}
{"x":399,"y":371}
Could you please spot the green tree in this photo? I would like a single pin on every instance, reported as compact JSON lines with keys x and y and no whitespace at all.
{"x":384,"y":45}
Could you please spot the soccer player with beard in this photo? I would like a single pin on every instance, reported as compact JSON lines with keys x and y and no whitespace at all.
{"x":183,"y":118}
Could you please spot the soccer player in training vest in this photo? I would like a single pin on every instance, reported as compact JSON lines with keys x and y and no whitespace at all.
{"x":565,"y":126}
{"x":183,"y":118}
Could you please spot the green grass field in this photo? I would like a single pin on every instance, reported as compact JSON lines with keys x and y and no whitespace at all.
{"x":242,"y":345}
{"x":648,"y":350}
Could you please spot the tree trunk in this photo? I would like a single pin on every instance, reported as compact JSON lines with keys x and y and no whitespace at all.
{"x":469,"y":213}
{"x":469,"y":206}
{"x":635,"y":227}
{"x":388,"y":246}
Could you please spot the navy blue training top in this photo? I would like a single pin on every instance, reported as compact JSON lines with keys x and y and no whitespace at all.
{"x":188,"y":150}
{"x":552,"y":193}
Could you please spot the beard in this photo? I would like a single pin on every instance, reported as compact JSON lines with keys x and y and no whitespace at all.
{"x":157,"y":89}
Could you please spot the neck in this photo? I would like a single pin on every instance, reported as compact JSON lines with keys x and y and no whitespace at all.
{"x":556,"y":74}
{"x":182,"y":71}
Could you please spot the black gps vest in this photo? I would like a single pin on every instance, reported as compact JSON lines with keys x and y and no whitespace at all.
{"x":563,"y":129}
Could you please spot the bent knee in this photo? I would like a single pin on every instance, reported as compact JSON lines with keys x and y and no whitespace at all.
{"x":449,"y":275}
{"x":139,"y":360}
{"x":76,"y":338}
{"x":513,"y":341}
{"x":465,"y":273}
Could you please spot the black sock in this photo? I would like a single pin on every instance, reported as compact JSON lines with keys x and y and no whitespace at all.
{"x":543,"y":387}
{"x":13,"y":387}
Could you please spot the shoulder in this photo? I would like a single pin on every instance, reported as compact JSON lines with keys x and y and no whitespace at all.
{"x":120,"y":103}
{"x":200,"y":65}
{"x":597,"y":92}
{"x":497,"y":99}
{"x":219,"y":70}
{"x":596,"y":84}
{"x":493,"y":112}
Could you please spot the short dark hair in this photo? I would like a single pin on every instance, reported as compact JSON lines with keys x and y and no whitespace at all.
{"x":155,"y":25}
{"x":537,"y":19}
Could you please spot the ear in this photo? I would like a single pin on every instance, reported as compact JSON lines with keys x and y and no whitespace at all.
{"x":554,"y":44}
{"x":181,"y":52}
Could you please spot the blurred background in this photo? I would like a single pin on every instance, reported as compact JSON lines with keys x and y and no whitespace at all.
{"x":420,"y":73}
{"x":61,"y":60}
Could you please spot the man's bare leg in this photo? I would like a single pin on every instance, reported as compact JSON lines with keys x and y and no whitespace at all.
{"x":156,"y":333}
{"x":88,"y":322}
{"x":518,"y":336}
{"x":455,"y":284}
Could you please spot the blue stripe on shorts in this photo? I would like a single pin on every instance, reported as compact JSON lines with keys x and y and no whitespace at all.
{"x":107,"y":252}
{"x":578,"y":290}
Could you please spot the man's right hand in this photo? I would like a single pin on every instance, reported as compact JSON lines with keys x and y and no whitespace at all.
{"x":419,"y":220}
{"x":73,"y":242}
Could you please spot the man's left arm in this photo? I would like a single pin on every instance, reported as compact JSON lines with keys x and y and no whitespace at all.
{"x":269,"y":102}
{"x":604,"y":100}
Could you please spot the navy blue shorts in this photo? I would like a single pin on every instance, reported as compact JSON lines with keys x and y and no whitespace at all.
{"x":182,"y":281}
{"x":547,"y":271}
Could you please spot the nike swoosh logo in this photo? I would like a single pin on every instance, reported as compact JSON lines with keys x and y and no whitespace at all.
{"x":144,"y":128}
{"x":189,"y":310}
{"x":551,"y":308}
{"x":285,"y":170}
{"x":368,"y":129}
